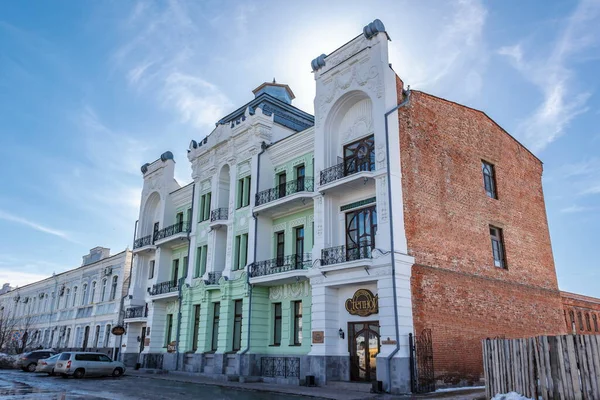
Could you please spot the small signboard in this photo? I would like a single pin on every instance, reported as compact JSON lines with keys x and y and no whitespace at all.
{"x":147,"y":341}
{"x":363,"y":303}
{"x":171,"y":347}
{"x":318,"y":337}
{"x":118,"y":330}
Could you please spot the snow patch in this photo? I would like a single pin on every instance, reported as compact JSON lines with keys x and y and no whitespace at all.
{"x":510,"y":396}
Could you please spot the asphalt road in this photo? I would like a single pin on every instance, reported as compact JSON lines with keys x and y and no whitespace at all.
{"x":16,"y":384}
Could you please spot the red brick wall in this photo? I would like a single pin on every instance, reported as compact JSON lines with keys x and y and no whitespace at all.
{"x":583,"y":310}
{"x":457,"y":290}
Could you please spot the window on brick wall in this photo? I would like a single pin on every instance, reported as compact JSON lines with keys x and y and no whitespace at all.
{"x":497,"y":237}
{"x":572,"y":319}
{"x":595,"y":318}
{"x":489,"y":179}
{"x":580,"y":319}
{"x":588,"y":324}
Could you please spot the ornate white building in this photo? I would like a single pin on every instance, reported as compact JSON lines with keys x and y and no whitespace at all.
{"x":76,"y":309}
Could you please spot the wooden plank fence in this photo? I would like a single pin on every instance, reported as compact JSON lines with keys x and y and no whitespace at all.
{"x":547,"y":367}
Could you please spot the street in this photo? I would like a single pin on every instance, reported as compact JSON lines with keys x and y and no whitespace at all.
{"x":16,"y":384}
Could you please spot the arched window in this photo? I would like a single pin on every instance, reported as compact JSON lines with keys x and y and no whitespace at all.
{"x":113,"y":288}
{"x":84,"y":294}
{"x":572,"y":326}
{"x":67,"y":295}
{"x":103,"y":294}
{"x":93,"y":292}
{"x":580,"y":319}
{"x":74,"y":296}
{"x":587,"y":322}
{"x":595,"y":318}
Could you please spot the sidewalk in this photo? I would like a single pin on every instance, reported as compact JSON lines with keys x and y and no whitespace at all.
{"x":324,"y":392}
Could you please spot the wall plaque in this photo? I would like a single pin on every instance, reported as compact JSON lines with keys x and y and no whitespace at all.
{"x":171,"y":347}
{"x":318,"y":337}
{"x":363,"y":303}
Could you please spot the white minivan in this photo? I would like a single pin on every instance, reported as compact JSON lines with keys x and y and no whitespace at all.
{"x":80,"y":364}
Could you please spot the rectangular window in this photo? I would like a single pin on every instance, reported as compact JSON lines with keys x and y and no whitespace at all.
{"x":150,"y":276}
{"x":280,"y":247}
{"x":175,"y":272}
{"x":489,"y":179}
{"x":300,"y":174}
{"x":297,"y":322}
{"x":361,"y":227}
{"x":204,"y":211}
{"x":196,"y":327}
{"x":312,"y":235}
{"x":276,"y":324}
{"x":240,"y":251}
{"x":215,"y":328}
{"x":498,"y":247}
{"x":281,"y":184}
{"x":185,"y":263}
{"x":200,"y":268}
{"x":179,"y":219}
{"x":243,"y":197}
{"x":188,"y":216}
{"x":169,"y":329}
{"x":237,"y":325}
{"x":299,"y":250}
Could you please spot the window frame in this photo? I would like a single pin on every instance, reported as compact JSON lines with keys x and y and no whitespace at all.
{"x":151,"y":266}
{"x":237,"y":325}
{"x":297,"y":310}
{"x":277,"y":324}
{"x":498,"y":247}
{"x":488,"y":171}
{"x":214,"y":340}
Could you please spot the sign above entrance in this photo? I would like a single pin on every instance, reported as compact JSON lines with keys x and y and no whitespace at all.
{"x":363,"y":303}
{"x":118,"y":330}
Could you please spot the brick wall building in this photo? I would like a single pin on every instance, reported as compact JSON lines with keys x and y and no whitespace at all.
{"x":459,"y":290}
{"x":581,"y":313}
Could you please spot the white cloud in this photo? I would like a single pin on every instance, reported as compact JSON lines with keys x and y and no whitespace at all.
{"x":575,"y":209}
{"x":20,"y":278}
{"x":554,"y":75}
{"x":34,"y":225}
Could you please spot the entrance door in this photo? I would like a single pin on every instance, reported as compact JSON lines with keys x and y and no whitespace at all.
{"x":363,"y":342}
{"x":143,"y":339}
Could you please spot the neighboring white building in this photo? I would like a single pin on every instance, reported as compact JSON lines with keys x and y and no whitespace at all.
{"x":71,"y":310}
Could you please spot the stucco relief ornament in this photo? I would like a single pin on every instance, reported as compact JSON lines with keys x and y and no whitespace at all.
{"x":296,"y":289}
{"x":383,"y":212}
{"x":275,"y":292}
{"x":340,"y":83}
{"x":380,"y":156}
{"x":344,"y":54}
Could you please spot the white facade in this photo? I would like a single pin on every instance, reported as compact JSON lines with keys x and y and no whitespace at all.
{"x":71,"y":310}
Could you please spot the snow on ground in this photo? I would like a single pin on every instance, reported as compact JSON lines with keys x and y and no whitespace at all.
{"x":456,"y":389}
{"x":510,"y":396}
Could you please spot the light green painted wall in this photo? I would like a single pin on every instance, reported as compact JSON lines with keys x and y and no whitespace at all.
{"x":290,"y":167}
{"x":226,"y":294}
{"x":288,"y":224}
{"x":263,"y":318}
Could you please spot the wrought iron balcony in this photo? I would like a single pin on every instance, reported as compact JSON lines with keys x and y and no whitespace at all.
{"x":183,"y":226}
{"x":164,"y":287}
{"x":143,"y":241}
{"x":304,"y":184}
{"x":346,"y":168}
{"x":341,"y":254}
{"x":220,"y":214}
{"x":213,"y":278}
{"x":136,"y":312}
{"x":280,"y":264}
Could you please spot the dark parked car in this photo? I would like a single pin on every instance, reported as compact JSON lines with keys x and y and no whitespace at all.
{"x":28,"y":361}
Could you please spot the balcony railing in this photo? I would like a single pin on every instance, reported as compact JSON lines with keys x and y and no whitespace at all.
{"x":341,"y":254}
{"x":213,"y":278}
{"x":304,"y":184}
{"x":280,"y":264}
{"x":183,"y":226}
{"x":143,"y":241}
{"x":346,"y":168}
{"x":219,"y":214}
{"x":164,"y":287}
{"x":136,"y":312}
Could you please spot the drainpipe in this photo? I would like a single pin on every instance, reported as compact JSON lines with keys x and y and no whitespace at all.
{"x":263,"y":147}
{"x":182,"y":280}
{"x":392,"y":251}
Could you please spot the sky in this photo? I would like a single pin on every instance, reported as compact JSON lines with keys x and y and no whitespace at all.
{"x":90,"y":91}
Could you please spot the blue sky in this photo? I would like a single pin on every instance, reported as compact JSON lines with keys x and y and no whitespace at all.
{"x":89,"y":91}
